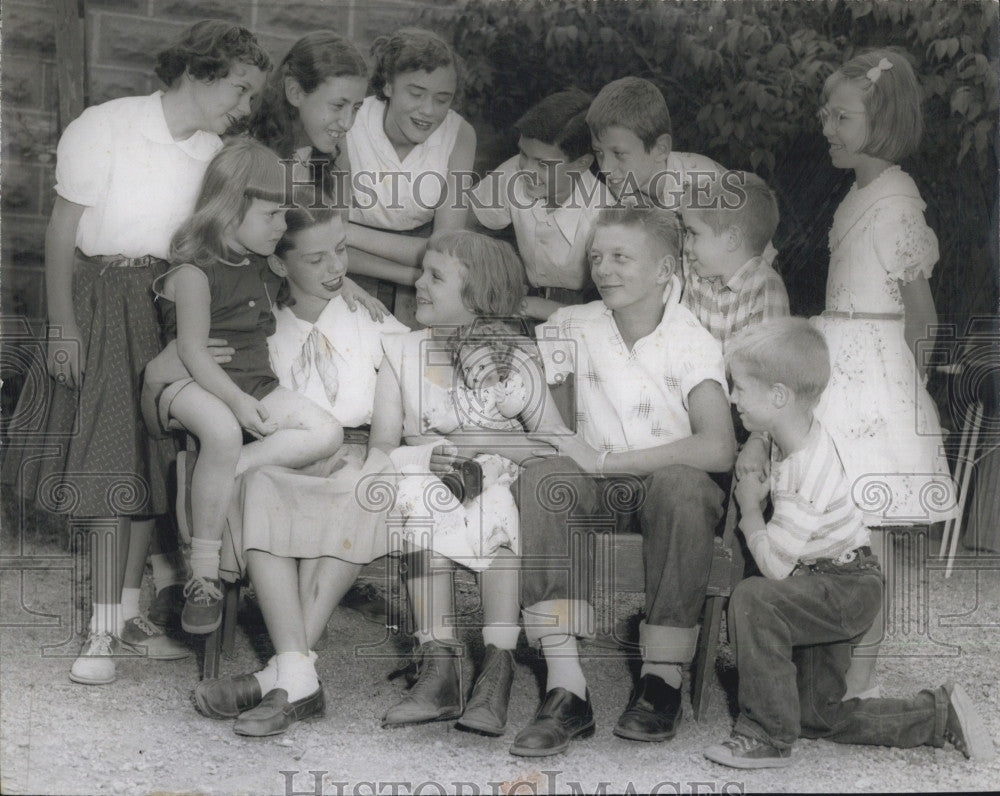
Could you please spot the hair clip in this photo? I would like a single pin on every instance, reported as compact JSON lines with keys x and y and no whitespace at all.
{"x":876,"y":71}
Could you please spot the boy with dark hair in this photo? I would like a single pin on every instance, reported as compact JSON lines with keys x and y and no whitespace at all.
{"x":728,"y":284}
{"x":793,"y":629}
{"x":548,"y":193}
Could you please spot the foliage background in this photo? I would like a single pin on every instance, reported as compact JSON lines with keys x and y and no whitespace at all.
{"x":743,"y":80}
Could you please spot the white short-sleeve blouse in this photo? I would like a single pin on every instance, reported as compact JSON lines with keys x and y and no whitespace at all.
{"x":136,"y":182}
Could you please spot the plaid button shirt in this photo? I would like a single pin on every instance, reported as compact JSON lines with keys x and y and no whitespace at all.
{"x":753,"y":294}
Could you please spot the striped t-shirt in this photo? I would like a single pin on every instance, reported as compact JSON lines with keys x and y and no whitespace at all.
{"x":814,"y":515}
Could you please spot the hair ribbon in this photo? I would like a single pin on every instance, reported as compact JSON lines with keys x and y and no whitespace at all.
{"x":876,"y":71}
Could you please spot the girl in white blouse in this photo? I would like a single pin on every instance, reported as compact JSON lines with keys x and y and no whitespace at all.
{"x":127,"y":174}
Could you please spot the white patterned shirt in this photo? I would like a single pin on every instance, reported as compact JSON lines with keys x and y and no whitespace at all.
{"x":630,"y":400}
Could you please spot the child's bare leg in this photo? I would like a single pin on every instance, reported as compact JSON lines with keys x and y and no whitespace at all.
{"x":860,"y":677}
{"x":438,"y":694}
{"x":500,"y":589}
{"x":322,"y":584}
{"x":220,"y":441}
{"x":275,"y":581}
{"x":306,"y":433}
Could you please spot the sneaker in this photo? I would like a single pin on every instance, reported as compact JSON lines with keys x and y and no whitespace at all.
{"x":165,"y":609}
{"x":144,"y":638}
{"x":96,"y":664}
{"x":965,"y":728}
{"x":203,"y":605}
{"x":742,"y":751}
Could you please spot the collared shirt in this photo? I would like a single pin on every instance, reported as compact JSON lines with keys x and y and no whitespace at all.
{"x":552,"y":241}
{"x":814,"y":514}
{"x":136,"y":182}
{"x":355,"y":345}
{"x":390,"y":193}
{"x":753,"y":294}
{"x":630,"y":400}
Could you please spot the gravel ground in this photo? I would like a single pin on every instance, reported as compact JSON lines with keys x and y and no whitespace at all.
{"x":142,"y":735}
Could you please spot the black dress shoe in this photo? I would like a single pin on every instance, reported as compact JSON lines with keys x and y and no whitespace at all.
{"x":227,"y":697}
{"x":562,"y":717}
{"x":275,"y":713}
{"x":653,"y":712}
{"x":486,"y":711}
{"x":437,"y":694}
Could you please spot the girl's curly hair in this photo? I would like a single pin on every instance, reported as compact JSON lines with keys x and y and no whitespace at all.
{"x":208,"y":49}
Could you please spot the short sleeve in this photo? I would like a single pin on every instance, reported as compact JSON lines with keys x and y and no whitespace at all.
{"x":556,"y":347}
{"x":905,"y":246}
{"x":380,"y":333}
{"x":702,"y":362}
{"x":83,"y":158}
{"x":394,"y":345}
{"x":489,"y":200}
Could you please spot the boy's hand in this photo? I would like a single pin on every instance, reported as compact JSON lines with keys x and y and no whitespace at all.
{"x":751,"y":491}
{"x":252,"y":415}
{"x":754,"y":457}
{"x":571,"y":445}
{"x":353,"y":296}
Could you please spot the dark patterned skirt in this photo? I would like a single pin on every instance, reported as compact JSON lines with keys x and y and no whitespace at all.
{"x":85,"y":452}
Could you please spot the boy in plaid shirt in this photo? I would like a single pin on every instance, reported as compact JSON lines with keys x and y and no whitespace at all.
{"x":793,"y":629}
{"x":728,"y":284}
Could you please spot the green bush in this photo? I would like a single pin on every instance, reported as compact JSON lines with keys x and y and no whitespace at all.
{"x":743,"y":80}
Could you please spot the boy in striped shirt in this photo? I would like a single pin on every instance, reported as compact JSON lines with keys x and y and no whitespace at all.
{"x":793,"y":629}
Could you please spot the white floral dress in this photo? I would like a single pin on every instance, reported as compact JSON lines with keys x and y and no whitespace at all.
{"x":883,"y":421}
{"x":435,"y":403}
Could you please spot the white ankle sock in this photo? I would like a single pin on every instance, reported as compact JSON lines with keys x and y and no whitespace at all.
{"x":502,"y":637}
{"x":130,"y":604}
{"x":165,"y":573}
{"x":205,"y":557}
{"x":268,"y":676}
{"x":562,"y":657}
{"x":296,"y":674}
{"x":670,"y":673}
{"x":107,"y":618}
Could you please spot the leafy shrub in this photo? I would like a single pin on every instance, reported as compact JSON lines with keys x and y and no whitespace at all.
{"x":743,"y":80}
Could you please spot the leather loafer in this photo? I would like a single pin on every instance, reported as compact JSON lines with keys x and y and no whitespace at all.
{"x":227,"y":697}
{"x":486,"y":711}
{"x":275,"y":713}
{"x":562,"y":717}
{"x":653,"y":712}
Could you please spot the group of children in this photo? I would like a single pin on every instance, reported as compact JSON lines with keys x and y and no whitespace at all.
{"x":653,"y":290}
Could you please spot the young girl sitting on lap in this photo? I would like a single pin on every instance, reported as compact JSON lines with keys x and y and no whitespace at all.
{"x":223,"y":288}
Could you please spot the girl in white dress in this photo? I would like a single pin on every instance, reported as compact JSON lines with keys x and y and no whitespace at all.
{"x":880,"y":313}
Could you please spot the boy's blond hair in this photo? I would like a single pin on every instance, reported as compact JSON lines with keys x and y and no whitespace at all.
{"x":739,"y":199}
{"x":634,"y":104}
{"x":661,"y":225}
{"x":789,"y":351}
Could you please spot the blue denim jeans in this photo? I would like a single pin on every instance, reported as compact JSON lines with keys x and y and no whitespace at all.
{"x":793,"y":641}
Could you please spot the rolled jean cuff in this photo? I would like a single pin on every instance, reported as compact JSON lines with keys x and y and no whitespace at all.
{"x":750,"y":728}
{"x":558,"y":617}
{"x":663,"y":644}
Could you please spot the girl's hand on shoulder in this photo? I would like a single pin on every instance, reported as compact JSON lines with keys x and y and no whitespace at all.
{"x":252,"y":415}
{"x":354,"y":296}
{"x":65,"y":356}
